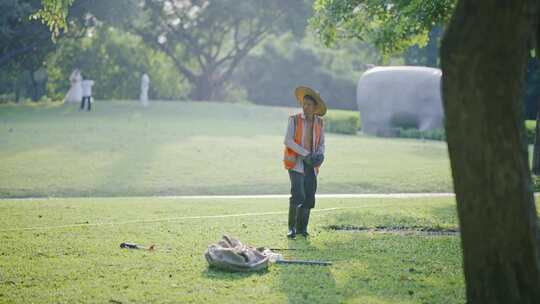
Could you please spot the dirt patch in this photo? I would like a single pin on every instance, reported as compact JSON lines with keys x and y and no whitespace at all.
{"x":404,"y":230}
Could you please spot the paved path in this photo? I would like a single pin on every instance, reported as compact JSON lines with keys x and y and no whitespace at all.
{"x":262,"y":196}
{"x":346,"y":195}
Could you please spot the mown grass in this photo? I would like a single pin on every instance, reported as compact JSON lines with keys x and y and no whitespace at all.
{"x":122,"y":149}
{"x":72,"y":252}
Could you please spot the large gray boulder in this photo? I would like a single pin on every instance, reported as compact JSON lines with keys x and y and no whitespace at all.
{"x":389,"y":97}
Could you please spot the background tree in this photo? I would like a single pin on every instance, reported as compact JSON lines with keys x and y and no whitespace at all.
{"x":392,"y":26}
{"x":19,"y":34}
{"x":98,"y":42}
{"x":270,"y":75}
{"x":483,"y":59}
{"x":116,"y":61}
{"x":25,"y":45}
{"x":54,"y":14}
{"x":427,"y":55}
{"x":28,"y":45}
{"x":206,"y":40}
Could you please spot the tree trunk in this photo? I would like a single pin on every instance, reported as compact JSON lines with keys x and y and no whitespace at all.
{"x":34,"y":84}
{"x":202,"y":89}
{"x":483,"y":58}
{"x":536,"y":150}
{"x":206,"y":88}
{"x":17,"y":94}
{"x":15,"y":86}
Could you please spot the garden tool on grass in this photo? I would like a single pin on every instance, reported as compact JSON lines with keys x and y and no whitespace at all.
{"x":303,"y":262}
{"x":127,"y":245}
{"x":230,"y":254}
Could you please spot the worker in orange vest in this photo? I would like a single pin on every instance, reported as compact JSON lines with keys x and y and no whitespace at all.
{"x":303,"y":155}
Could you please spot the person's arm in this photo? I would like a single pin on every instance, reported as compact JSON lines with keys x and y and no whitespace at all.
{"x":317,"y":158}
{"x":320,"y":149}
{"x":289,"y":140}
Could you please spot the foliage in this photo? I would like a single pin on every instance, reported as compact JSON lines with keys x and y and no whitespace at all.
{"x":25,"y":44}
{"x":437,"y":134}
{"x":17,"y":83}
{"x":18,"y":34}
{"x":392,"y":25}
{"x":54,"y":15}
{"x":427,"y":55}
{"x":123,"y":149}
{"x":57,"y":14}
{"x":532,"y":89}
{"x":344,"y":122}
{"x":206,"y":40}
{"x":282,"y":63}
{"x":404,"y":132}
{"x":535,"y":182}
{"x":115,"y":60}
{"x":530,"y":129}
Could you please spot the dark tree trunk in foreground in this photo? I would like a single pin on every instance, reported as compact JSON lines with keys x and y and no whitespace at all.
{"x":483,"y":58}
{"x":536,"y":149}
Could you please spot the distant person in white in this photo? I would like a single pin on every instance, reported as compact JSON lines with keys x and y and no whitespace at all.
{"x":87,"y":93}
{"x":75,"y":91}
{"x":145,"y":83}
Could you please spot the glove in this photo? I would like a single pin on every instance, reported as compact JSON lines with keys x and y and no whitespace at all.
{"x":317,"y":159}
{"x":308,"y":160}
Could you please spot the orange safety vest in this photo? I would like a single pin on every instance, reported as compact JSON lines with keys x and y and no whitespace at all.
{"x":289,"y":157}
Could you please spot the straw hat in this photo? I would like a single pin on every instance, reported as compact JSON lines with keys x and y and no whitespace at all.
{"x":301,"y":92}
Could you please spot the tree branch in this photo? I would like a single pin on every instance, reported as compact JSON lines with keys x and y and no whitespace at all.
{"x":162,"y":47}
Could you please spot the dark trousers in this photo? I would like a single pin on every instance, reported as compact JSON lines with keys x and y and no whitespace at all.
{"x":303,"y":187}
{"x":86,"y":98}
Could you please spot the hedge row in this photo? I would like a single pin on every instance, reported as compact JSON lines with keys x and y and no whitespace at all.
{"x":437,"y":134}
{"x":440,"y":134}
{"x":343,"y":122}
{"x":348,"y":122}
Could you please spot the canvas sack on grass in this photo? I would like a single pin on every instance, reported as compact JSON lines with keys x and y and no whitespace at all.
{"x":231,"y":255}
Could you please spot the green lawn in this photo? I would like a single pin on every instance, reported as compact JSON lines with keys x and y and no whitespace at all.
{"x":66,"y":249}
{"x":121,"y":149}
{"x":72,"y":253}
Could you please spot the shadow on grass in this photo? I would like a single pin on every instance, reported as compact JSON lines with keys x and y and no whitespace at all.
{"x":217,"y":274}
{"x":387,"y":268}
{"x":307,"y":283}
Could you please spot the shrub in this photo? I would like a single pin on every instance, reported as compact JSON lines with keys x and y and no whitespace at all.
{"x":343,"y":122}
{"x":536,"y":183}
{"x":404,"y":120}
{"x":530,"y":126}
{"x":440,"y":134}
{"x":437,"y":134}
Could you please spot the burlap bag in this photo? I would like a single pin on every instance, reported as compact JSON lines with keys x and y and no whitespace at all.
{"x":231,"y":255}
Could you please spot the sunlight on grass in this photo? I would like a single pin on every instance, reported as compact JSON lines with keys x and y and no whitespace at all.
{"x":83,"y":262}
{"x":180,"y":148}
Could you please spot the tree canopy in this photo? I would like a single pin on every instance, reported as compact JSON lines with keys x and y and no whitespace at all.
{"x":19,"y":35}
{"x":391,"y":25}
{"x":484,"y":125}
{"x":54,"y":14}
{"x":206,"y":40}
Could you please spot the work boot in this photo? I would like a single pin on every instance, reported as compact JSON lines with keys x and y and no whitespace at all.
{"x":292,"y":221}
{"x":305,"y":220}
{"x":299,"y":218}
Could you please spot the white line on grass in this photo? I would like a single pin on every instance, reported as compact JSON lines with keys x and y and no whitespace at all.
{"x":172,"y":219}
